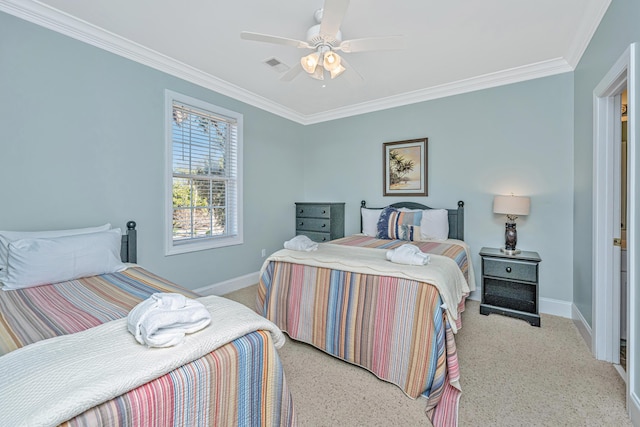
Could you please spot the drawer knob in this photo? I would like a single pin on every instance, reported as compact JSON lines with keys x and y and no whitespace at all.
{"x":324,"y":225}
{"x":301,"y":224}
{"x":324,"y":212}
{"x":301,"y":210}
{"x":324,"y":239}
{"x":508,"y":269}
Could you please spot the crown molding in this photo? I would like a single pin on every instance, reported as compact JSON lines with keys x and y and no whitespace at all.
{"x":60,"y":22}
{"x":53,"y":19}
{"x":486,"y":81}
{"x":588,"y":27}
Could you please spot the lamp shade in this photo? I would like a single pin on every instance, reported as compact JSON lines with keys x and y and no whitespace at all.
{"x":310,"y":62}
{"x":331,"y":61}
{"x":511,"y":205}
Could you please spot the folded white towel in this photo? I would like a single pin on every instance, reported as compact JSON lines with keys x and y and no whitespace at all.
{"x":301,"y":243}
{"x":163,"y":319}
{"x":408,"y":254}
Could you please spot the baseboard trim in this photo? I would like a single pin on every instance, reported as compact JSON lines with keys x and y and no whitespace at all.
{"x":230,"y":285}
{"x":583,"y":326}
{"x":555,"y":307}
{"x":633,"y":408}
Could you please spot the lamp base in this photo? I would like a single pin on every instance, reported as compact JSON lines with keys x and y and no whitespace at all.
{"x":510,"y":251}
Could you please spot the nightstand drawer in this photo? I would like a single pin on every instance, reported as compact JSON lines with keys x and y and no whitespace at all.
{"x":511,"y":269}
{"x":313,"y":211}
{"x":313,"y":224}
{"x":316,"y":237}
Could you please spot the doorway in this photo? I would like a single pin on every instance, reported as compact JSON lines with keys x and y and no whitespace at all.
{"x":606,"y":258}
{"x":621,"y":171}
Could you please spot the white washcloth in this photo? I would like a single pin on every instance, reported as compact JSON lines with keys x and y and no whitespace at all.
{"x":163,"y":319}
{"x":408,"y":254}
{"x":301,"y":243}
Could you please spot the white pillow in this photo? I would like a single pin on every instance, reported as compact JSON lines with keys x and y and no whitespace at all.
{"x":7,"y":237}
{"x":34,"y":262}
{"x":370,"y":221}
{"x":434,"y":224}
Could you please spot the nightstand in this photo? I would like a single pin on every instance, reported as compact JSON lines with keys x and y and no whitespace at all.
{"x":510,"y":284}
{"x":320,"y":222}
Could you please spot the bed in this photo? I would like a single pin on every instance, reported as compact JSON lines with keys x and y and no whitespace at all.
{"x":65,"y":359}
{"x":397,"y":321}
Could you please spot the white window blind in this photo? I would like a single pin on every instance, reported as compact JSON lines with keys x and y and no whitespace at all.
{"x":205,"y":178}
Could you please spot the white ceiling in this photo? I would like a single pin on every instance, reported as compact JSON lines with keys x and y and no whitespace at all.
{"x":451,"y":47}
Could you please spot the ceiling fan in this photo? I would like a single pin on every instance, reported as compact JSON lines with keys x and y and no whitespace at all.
{"x":325,"y":39}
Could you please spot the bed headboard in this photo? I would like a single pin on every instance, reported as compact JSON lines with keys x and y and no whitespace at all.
{"x":129,"y":245}
{"x":456,"y":216}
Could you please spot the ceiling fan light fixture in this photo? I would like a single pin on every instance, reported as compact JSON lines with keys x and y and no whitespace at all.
{"x":331,"y":61}
{"x":318,"y":74}
{"x":310,"y":62}
{"x":337,"y":71}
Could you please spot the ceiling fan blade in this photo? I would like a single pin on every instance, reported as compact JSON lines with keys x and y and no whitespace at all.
{"x":247,"y":35}
{"x":292,"y":73}
{"x":351,"y":73}
{"x":333,"y":13}
{"x":372,"y":43}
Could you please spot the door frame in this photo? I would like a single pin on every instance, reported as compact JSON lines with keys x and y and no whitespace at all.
{"x":606,"y":317}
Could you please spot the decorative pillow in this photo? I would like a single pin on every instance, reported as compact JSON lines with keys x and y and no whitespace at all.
{"x":395,"y":224}
{"x":435,"y":224}
{"x":7,"y":237}
{"x":34,"y":262}
{"x":370,"y":221}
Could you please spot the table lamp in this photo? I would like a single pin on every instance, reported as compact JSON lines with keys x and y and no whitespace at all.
{"x":512,"y":206}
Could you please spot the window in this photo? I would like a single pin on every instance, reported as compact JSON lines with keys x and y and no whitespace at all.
{"x":204,"y":185}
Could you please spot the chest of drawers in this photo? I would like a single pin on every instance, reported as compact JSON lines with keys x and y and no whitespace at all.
{"x":320,"y":222}
{"x":510,"y":284}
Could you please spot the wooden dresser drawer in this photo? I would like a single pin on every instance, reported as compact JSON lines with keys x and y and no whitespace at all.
{"x":511,"y":269}
{"x":313,"y":224}
{"x":313,"y":211}
{"x":315,"y":236}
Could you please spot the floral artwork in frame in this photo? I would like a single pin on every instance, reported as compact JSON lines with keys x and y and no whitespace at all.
{"x":405,"y":168}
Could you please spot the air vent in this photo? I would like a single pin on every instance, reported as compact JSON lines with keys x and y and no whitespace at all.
{"x":276,"y":65}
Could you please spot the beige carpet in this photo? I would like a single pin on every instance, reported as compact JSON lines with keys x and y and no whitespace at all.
{"x":513,"y":374}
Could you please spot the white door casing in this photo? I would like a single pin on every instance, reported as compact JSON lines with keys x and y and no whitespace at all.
{"x":606,"y":265}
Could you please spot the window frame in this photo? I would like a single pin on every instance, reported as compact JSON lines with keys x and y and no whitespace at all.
{"x":204,"y":243}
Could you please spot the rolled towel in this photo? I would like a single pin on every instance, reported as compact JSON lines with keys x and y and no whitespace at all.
{"x":408,"y":254}
{"x":163,"y":319}
{"x":301,"y":243}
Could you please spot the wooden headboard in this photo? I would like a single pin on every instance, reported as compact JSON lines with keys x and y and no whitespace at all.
{"x":456,"y":216}
{"x":129,"y":245}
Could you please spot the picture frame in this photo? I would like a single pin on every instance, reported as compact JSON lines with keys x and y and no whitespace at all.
{"x":404,"y":168}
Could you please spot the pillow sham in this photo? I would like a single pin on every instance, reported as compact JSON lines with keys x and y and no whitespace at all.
{"x":7,"y":237}
{"x":370,"y":221}
{"x":396,"y":224}
{"x":39,"y":261}
{"x":435,"y":224}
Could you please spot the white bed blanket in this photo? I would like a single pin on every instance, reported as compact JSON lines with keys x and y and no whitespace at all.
{"x":51,"y":381}
{"x":441,"y":272}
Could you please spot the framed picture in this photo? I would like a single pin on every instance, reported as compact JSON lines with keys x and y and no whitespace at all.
{"x":404,"y":168}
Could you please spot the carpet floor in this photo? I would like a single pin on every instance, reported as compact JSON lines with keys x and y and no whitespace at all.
{"x":512,"y":374}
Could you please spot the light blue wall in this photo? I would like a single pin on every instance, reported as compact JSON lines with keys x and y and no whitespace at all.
{"x":82,"y":143}
{"x":619,"y":27}
{"x":516,"y":138}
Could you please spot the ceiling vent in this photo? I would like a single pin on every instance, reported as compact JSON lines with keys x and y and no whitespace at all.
{"x":276,"y":65}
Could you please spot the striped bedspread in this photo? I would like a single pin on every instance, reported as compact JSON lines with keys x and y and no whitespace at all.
{"x":392,"y":326}
{"x":240,"y":383}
